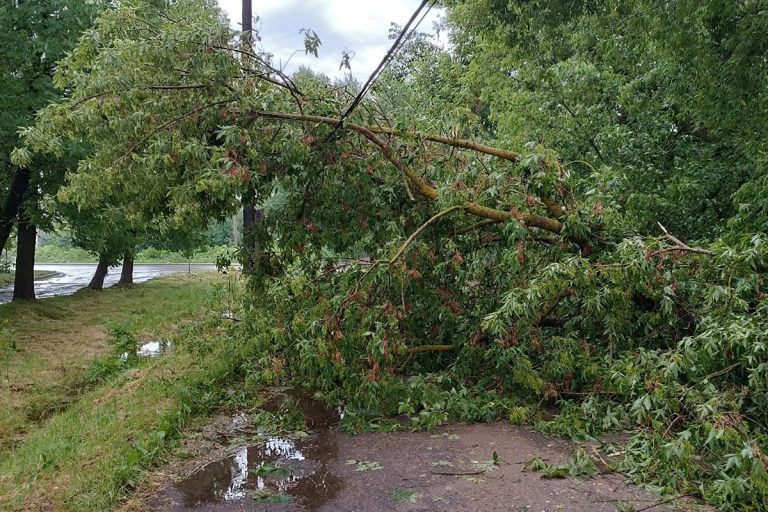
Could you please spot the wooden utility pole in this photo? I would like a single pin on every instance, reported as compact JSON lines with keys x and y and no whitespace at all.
{"x":249,"y":214}
{"x":235,"y":237}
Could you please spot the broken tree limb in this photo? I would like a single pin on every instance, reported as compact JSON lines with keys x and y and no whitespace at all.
{"x":455,"y":142}
{"x":421,"y":185}
{"x":504,"y":154}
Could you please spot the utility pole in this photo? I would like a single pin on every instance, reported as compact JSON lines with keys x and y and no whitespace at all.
{"x":235,"y":238}
{"x":249,"y":214}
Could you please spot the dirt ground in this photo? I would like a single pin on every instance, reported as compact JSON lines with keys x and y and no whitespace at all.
{"x":450,"y":469}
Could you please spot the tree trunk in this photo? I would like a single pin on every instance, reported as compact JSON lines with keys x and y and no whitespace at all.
{"x":24,"y":282}
{"x":97,"y":282}
{"x":16,"y":193}
{"x":126,"y":275}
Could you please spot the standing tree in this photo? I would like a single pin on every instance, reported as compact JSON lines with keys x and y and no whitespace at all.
{"x":34,"y":34}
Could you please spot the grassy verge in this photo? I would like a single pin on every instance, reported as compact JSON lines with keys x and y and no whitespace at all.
{"x":6,"y":278}
{"x":119,"y":415}
{"x":90,"y":455}
{"x":56,"y":339}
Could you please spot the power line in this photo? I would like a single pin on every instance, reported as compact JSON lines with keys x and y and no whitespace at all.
{"x":380,"y":68}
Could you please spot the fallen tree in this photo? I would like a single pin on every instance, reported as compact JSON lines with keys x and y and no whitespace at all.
{"x":476,"y":281}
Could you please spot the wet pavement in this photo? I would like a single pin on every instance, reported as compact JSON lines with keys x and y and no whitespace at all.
{"x":229,"y":466}
{"x":69,"y":278}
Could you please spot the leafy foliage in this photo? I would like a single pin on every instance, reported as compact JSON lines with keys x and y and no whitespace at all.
{"x":579,"y":464}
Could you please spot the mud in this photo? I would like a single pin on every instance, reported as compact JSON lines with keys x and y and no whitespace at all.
{"x":327,"y":470}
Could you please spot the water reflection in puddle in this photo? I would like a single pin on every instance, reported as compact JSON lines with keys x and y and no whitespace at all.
{"x":279,"y":468}
{"x":150,"y":349}
{"x":154,"y":348}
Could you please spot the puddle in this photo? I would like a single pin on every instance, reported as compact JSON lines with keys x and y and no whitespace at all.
{"x":150,"y":349}
{"x":277,"y":470}
{"x":230,"y":315}
{"x":154,"y":348}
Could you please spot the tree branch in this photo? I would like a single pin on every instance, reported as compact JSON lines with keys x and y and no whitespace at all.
{"x":173,"y":121}
{"x":422,"y":228}
{"x":422,"y":186}
{"x":681,"y":246}
{"x":550,"y":306}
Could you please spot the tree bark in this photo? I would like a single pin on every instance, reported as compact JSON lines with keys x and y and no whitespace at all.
{"x":10,"y":211}
{"x":126,"y":275}
{"x":24,"y":281}
{"x":97,"y":282}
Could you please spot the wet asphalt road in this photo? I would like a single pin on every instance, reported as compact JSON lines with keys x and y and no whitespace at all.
{"x":72,"y":277}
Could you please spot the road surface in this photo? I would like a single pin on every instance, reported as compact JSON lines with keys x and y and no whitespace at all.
{"x":71,"y":277}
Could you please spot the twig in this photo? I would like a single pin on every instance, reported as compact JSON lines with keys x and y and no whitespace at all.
{"x":177,"y":87}
{"x":722,"y":372}
{"x":288,"y":83}
{"x":681,"y":245}
{"x":458,"y":473}
{"x":667,"y":501}
{"x":476,"y":225}
{"x":430,"y":348}
{"x":87,"y":98}
{"x":424,"y":226}
{"x":677,"y":417}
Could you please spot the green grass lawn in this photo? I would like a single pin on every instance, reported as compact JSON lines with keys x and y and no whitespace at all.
{"x":76,"y":424}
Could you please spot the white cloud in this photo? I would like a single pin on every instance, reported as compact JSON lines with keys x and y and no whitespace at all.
{"x":366,"y":20}
{"x":361,"y":26}
{"x":233,"y":8}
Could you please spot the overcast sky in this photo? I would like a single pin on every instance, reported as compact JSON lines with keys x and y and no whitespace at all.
{"x":361,"y":26}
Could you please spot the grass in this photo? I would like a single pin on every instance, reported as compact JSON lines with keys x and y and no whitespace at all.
{"x":6,"y":278}
{"x":91,"y":454}
{"x":56,"y":339}
{"x":119,"y":416}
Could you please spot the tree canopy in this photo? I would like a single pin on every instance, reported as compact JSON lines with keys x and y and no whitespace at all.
{"x":34,"y":35}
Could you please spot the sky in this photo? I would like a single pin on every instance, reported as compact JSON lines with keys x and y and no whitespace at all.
{"x":360,"y":26}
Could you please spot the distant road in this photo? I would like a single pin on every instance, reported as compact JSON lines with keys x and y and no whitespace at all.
{"x":72,"y":277}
